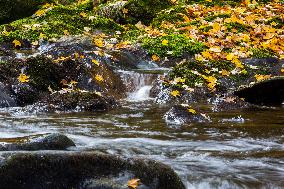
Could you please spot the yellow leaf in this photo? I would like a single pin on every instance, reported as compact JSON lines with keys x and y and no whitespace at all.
{"x":198,"y":57}
{"x":190,"y":110}
{"x":99,"y":42}
{"x":230,"y":56}
{"x":259,"y":77}
{"x":42,"y":36}
{"x":238,"y":63}
{"x":96,"y":62}
{"x":40,"y":12}
{"x":83,"y":14}
{"x":124,"y":11}
{"x":66,"y":32}
{"x":99,"y":78}
{"x":245,"y":37}
{"x":207,"y":55}
{"x":175,"y":93}
{"x":225,"y":73}
{"x":35,"y":43}
{"x":216,"y":27}
{"x":23,"y":78}
{"x":17,"y":43}
{"x":212,"y":81}
{"x":133,"y":183}
{"x":269,"y":36}
{"x":155,"y":58}
{"x":282,"y":70}
{"x":72,"y":82}
{"x":165,"y":42}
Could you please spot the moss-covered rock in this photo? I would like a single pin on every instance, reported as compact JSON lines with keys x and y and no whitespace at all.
{"x":75,"y":169}
{"x":16,"y":9}
{"x":56,"y":21}
{"x":174,"y":45}
{"x":62,"y":84}
{"x":133,"y":11}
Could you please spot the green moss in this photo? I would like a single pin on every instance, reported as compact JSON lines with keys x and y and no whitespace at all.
{"x":262,"y":53}
{"x":185,"y":71}
{"x":55,"y":22}
{"x":13,"y":9}
{"x":237,"y":26}
{"x":177,"y":45}
{"x":144,"y":10}
{"x":171,"y":15}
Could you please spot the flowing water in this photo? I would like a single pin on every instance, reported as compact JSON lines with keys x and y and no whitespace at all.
{"x":236,"y":150}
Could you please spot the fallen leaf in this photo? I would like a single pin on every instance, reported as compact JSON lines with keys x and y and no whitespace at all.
{"x":95,"y":62}
{"x":99,"y":78}
{"x":133,"y":183}
{"x":259,"y":77}
{"x":191,"y":110}
{"x":17,"y":43}
{"x":155,"y":58}
{"x":175,"y":93}
{"x":165,"y":42}
{"x":23,"y":78}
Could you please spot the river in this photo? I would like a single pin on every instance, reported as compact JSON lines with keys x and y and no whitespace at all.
{"x":240,"y":149}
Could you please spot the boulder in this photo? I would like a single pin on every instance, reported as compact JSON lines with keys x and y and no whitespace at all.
{"x":79,"y":101}
{"x":133,"y":11}
{"x":266,"y":92}
{"x":66,"y":84}
{"x":25,"y":170}
{"x":179,"y":115}
{"x":45,"y":142}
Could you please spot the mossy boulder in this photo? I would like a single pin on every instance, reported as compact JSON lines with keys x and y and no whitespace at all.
{"x":56,"y":21}
{"x":25,"y":170}
{"x":62,"y":84}
{"x":133,"y":11}
{"x":16,"y":9}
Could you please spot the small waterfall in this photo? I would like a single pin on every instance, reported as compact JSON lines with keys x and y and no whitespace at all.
{"x":138,"y":84}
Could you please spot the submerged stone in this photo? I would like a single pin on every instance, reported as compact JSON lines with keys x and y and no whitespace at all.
{"x":25,"y":170}
{"x":49,"y":142}
{"x":266,"y":92}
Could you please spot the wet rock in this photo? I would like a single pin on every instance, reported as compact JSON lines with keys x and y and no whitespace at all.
{"x":5,"y":98}
{"x":48,"y":76}
{"x":229,"y":102}
{"x":49,"y":142}
{"x":79,"y":101}
{"x":266,"y":92}
{"x":179,"y":115}
{"x":129,"y":59}
{"x":24,"y":94}
{"x":74,"y":169}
